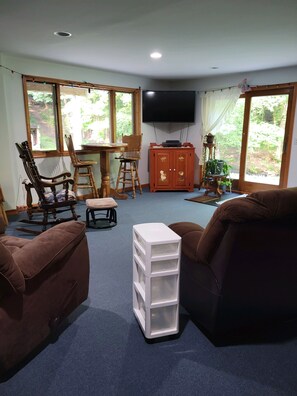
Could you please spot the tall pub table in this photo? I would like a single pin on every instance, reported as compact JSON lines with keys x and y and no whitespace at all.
{"x":104,"y":149}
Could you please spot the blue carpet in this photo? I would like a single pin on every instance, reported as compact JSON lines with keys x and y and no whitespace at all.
{"x":102,"y":350}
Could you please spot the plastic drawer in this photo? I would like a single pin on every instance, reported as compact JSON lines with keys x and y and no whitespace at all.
{"x":164,"y":319}
{"x":164,"y":249}
{"x":156,"y":289}
{"x":164,"y":289}
{"x":164,"y":265}
{"x":155,"y":322}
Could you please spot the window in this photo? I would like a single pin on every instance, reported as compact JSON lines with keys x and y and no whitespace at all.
{"x":228,"y":138}
{"x":90,"y":113}
{"x":85,"y":115}
{"x":124,"y":115}
{"x":255,"y":139}
{"x":42,"y":116}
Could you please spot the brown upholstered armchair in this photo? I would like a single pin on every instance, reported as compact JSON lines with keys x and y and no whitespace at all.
{"x":240,"y":272}
{"x":41,"y":282}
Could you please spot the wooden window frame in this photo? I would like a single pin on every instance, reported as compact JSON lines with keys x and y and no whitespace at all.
{"x":136,"y":114}
{"x":291,"y":90}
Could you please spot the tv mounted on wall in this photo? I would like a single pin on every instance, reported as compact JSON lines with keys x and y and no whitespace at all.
{"x":168,"y":106}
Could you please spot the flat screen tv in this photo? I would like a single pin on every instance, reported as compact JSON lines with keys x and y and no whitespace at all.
{"x":168,"y":106}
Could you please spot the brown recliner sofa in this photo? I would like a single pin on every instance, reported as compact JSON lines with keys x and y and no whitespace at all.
{"x":41,"y":282}
{"x":240,"y":273}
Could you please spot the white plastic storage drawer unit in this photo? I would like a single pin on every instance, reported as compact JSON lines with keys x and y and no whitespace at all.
{"x":156,"y":261}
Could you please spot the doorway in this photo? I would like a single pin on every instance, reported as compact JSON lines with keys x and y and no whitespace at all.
{"x":256,"y":139}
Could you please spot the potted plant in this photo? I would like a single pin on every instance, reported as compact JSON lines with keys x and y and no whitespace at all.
{"x":214,"y":167}
{"x":226,"y":169}
{"x":224,"y":184}
{"x":209,"y":138}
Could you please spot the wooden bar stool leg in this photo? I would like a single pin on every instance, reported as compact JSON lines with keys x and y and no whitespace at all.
{"x":132,"y":179}
{"x":75,"y":177}
{"x":124,"y":175}
{"x":137,"y":178}
{"x":119,"y":176}
{"x":92,"y":183}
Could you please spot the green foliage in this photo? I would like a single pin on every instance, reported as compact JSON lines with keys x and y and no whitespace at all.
{"x":225,"y":182}
{"x":124,"y":119}
{"x":47,"y":143}
{"x":40,"y":98}
{"x":217,"y":167}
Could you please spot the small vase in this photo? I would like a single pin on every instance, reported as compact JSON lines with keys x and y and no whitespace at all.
{"x":209,"y":138}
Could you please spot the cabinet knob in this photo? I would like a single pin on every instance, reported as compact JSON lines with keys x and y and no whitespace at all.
{"x":169,"y":169}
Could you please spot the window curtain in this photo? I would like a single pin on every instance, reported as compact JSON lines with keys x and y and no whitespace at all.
{"x":215,"y":106}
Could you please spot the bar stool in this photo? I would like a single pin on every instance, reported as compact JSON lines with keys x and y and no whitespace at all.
{"x":128,"y":172}
{"x":102,"y":211}
{"x":82,"y":169}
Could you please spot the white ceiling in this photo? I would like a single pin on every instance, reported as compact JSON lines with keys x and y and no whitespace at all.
{"x":119,"y":35}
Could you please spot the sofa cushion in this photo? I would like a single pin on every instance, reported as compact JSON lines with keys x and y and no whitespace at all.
{"x":49,"y":247}
{"x":10,"y":271}
{"x":261,"y":205}
{"x":280,"y":203}
{"x":13,"y":243}
{"x":190,"y":234}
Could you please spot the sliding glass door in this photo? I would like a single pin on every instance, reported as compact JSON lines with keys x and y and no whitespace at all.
{"x":254,"y":139}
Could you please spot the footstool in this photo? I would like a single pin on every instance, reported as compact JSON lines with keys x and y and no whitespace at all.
{"x":102,"y":211}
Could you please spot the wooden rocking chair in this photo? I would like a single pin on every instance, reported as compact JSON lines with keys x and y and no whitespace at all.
{"x":52,"y":201}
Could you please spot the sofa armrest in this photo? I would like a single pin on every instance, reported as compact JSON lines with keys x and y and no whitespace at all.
{"x":190,"y":234}
{"x":10,"y":271}
{"x":49,"y":247}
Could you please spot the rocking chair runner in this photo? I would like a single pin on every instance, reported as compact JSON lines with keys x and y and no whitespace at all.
{"x":52,"y":201}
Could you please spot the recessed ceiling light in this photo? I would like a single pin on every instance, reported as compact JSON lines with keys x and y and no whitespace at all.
{"x":63,"y":34}
{"x":156,"y":55}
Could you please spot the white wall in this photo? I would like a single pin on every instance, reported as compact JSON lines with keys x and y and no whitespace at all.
{"x":13,"y":126}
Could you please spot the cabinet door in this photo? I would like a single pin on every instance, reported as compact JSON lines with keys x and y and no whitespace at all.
{"x":183,"y":169}
{"x":163,"y":169}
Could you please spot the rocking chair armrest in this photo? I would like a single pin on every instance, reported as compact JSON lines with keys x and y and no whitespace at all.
{"x":57,"y":183}
{"x":62,"y":175}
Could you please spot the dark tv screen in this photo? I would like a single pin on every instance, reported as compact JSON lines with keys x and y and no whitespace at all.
{"x":168,"y":106}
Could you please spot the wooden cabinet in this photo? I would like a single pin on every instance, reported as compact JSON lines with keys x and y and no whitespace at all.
{"x":172,"y":168}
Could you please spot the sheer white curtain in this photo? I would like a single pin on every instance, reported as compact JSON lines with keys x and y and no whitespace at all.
{"x":215,"y":105}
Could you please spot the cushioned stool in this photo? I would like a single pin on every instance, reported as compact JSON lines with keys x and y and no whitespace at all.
{"x":108,"y":213}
